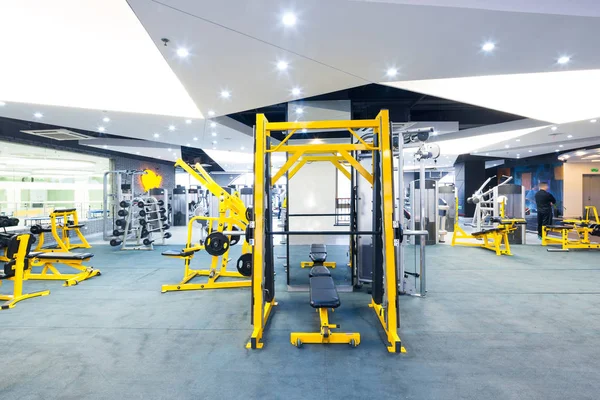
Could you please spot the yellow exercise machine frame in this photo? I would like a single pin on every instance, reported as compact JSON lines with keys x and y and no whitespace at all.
{"x":49,"y":271}
{"x":387,"y":311}
{"x":580,"y":226}
{"x":60,"y":233}
{"x":324,"y":335}
{"x":495,"y":239}
{"x":309,"y":264}
{"x":232,"y":213}
{"x":12,"y":299}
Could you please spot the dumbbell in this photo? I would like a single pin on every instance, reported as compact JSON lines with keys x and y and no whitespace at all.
{"x":117,"y":232}
{"x":147,"y":242}
{"x":144,"y":233}
{"x":166,"y":227}
{"x":122,"y":213}
{"x":124,"y":204}
{"x":167,"y":235}
{"x":161,"y":203}
{"x":120,"y":222}
{"x":115,"y":242}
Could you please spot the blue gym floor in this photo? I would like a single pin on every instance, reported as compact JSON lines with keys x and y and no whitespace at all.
{"x":521,"y":327}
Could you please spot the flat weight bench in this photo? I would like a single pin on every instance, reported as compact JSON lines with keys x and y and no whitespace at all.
{"x":47,"y":261}
{"x":323,"y":295}
{"x":583,"y":241}
{"x":495,"y":239}
{"x":318,"y":256}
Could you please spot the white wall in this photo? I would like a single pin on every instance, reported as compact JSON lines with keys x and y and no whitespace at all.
{"x":573,"y":186}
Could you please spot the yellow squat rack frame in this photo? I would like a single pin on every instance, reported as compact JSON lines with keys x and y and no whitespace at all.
{"x":61,"y":229}
{"x":263,"y":303}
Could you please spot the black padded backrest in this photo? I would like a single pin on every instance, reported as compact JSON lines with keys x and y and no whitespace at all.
{"x":13,"y":248}
{"x":318,"y":248}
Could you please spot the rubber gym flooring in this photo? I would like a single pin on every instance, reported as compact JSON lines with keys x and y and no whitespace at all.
{"x":521,"y":327}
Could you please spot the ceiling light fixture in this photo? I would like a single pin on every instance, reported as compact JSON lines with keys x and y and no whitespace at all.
{"x":282,"y":65}
{"x":289,"y":19}
{"x":580,"y":153}
{"x":156,"y":135}
{"x":214,"y":142}
{"x":181,"y":52}
{"x":554,"y":128}
{"x":518,"y":140}
{"x":556,"y":151}
{"x":188,"y":121}
{"x":569,"y":136}
{"x":214,"y":133}
{"x":169,"y":149}
{"x":38,"y":115}
{"x":211,"y":113}
{"x":2,"y":104}
{"x":195,"y":138}
{"x":225,"y":94}
{"x":101,"y":129}
{"x":213,"y":125}
{"x":296,"y":91}
{"x":593,"y":121}
{"x":106,"y":119}
{"x":299,"y":110}
{"x":563,"y":60}
{"x":507,"y":146}
{"x":187,"y":144}
{"x":392,"y":72}
{"x":171,"y":128}
{"x":105,"y":146}
{"x":242,"y":148}
{"x":488,"y":46}
{"x":137,"y":152}
{"x":560,"y":145}
{"x":531,"y":151}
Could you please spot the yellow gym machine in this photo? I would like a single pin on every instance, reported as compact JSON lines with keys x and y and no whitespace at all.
{"x":323,"y":295}
{"x":223,"y":232}
{"x":16,"y":266}
{"x":495,"y":239}
{"x":582,"y":227}
{"x":49,"y":272}
{"x":62,"y":223}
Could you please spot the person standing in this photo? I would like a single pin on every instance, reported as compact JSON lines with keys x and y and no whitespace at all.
{"x":544,"y":202}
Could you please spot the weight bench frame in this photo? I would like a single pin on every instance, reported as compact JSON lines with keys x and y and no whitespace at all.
{"x":309,"y":264}
{"x":583,"y":233}
{"x":49,"y":271}
{"x":325,"y":336}
{"x":12,"y":299}
{"x":63,"y":241}
{"x":213,"y":273}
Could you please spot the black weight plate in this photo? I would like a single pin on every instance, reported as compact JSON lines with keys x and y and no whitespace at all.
{"x":244,"y":264}
{"x":124,"y":204}
{"x":216,"y":244}
{"x":36,"y":229}
{"x":249,"y":214}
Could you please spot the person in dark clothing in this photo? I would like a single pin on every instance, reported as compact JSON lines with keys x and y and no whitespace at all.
{"x":544,"y":202}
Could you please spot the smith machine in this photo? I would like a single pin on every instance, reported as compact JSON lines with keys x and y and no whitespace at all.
{"x":385,"y":231}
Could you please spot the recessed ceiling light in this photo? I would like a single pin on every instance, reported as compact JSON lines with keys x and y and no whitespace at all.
{"x":296,"y":91}
{"x":554,"y":128}
{"x":242,"y":148}
{"x":38,"y":115}
{"x":488,"y":46}
{"x":487,"y":154}
{"x":137,"y":152}
{"x":187,"y":144}
{"x":518,"y":140}
{"x":195,"y":138}
{"x":105,"y":146}
{"x":211,"y":113}
{"x":531,"y":151}
{"x":181,"y":52}
{"x":507,"y":146}
{"x":101,"y":129}
{"x":159,"y":156}
{"x":569,"y":136}
{"x":580,"y":153}
{"x":169,"y":149}
{"x":214,"y":133}
{"x":156,"y":135}
{"x":282,"y":65}
{"x":556,"y":151}
{"x":560,"y":145}
{"x":593,"y":121}
{"x":392,"y":72}
{"x":299,"y":110}
{"x":106,"y":119}
{"x":188,"y":121}
{"x":171,"y":128}
{"x":289,"y":19}
{"x":213,"y":125}
{"x":563,"y":60}
{"x":214,"y":142}
{"x":225,"y":94}
{"x":2,"y":104}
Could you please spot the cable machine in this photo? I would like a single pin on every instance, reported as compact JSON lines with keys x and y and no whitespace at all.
{"x":385,"y":231}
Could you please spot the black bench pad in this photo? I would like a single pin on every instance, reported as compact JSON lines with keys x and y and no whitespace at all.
{"x":63,"y":210}
{"x":175,"y":253}
{"x":559,"y":226}
{"x":61,"y":256}
{"x":319,"y":270}
{"x":323,"y":293}
{"x":76,"y":226}
{"x":318,"y":253}
{"x":483,"y":232}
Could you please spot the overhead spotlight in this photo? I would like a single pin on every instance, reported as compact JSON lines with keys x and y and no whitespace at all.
{"x":101,"y":129}
{"x":2,"y":104}
{"x":488,"y":46}
{"x":106,"y":119}
{"x":225,"y":94}
{"x":299,"y":110}
{"x":560,"y":145}
{"x":211,"y":113}
{"x":289,"y":19}
{"x":195,"y":138}
{"x":156,"y":135}
{"x":137,"y":152}
{"x":518,"y":140}
{"x":518,"y":156}
{"x":282,"y":65}
{"x":105,"y":146}
{"x":569,"y":136}
{"x":242,"y":148}
{"x":171,"y":128}
{"x":38,"y":115}
{"x":213,"y":125}
{"x":554,"y":128}
{"x":593,"y":121}
{"x":169,"y":149}
{"x":392,"y":72}
{"x":181,"y":52}
{"x":556,"y":151}
{"x":487,"y":154}
{"x":296,"y":91}
{"x":531,"y":151}
{"x":188,"y":121}
{"x":214,"y":133}
{"x":507,"y":146}
{"x":563,"y":60}
{"x":214,"y":142}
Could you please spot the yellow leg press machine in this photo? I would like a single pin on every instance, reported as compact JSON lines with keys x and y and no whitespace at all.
{"x":47,"y":262}
{"x":62,"y":224}
{"x":324,"y":296}
{"x":582,"y":228}
{"x":15,"y":267}
{"x":318,"y":256}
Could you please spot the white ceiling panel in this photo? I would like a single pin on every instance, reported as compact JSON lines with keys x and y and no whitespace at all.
{"x":141,"y":148}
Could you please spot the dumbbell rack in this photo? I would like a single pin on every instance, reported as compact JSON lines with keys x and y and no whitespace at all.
{"x":144,"y":218}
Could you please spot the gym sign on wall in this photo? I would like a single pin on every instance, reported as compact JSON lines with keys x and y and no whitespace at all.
{"x":150,"y":180}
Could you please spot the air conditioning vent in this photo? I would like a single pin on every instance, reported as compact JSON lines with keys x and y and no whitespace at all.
{"x":58,"y":134}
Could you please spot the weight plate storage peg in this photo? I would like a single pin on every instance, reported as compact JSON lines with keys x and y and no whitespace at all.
{"x":216,"y":244}
{"x":244,"y":264}
{"x":234,"y":238}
